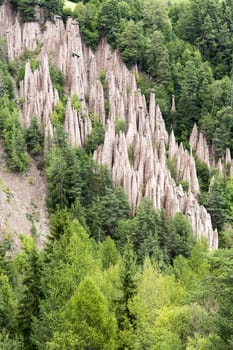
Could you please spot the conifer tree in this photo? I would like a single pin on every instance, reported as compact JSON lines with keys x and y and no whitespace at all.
{"x":34,"y":137}
{"x":129,"y":284}
{"x":215,"y":204}
{"x":31,"y":294}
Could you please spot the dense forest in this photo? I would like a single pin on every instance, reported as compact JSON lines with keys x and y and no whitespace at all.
{"x":108,"y":279}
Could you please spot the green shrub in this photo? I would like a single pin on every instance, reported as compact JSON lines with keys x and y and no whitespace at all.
{"x":58,"y":115}
{"x":75,"y":103}
{"x":95,"y":138}
{"x":120,"y":125}
{"x":172,"y":167}
{"x":21,"y":73}
{"x":185,"y":185}
{"x":34,"y":137}
{"x":58,"y":80}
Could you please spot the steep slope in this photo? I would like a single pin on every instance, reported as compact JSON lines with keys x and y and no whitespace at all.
{"x":137,"y":155}
{"x":22,"y":202}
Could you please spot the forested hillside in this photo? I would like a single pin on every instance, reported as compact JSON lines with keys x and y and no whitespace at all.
{"x":123,"y":265}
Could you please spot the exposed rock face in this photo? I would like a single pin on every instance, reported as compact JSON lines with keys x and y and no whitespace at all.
{"x":137,"y":157}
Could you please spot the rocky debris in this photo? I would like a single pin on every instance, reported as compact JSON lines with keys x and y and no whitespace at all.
{"x":138,"y":156}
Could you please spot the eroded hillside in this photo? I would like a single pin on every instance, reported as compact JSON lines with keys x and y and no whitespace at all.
{"x":22,"y":201}
{"x":137,"y":147}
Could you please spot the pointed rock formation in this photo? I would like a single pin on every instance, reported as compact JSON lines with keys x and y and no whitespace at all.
{"x":173,"y":107}
{"x":38,"y":95}
{"x":206,"y":152}
{"x":199,"y":144}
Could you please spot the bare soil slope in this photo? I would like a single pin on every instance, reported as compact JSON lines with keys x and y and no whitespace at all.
{"x":22,"y":202}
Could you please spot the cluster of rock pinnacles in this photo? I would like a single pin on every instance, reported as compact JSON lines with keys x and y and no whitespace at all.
{"x":136,"y":156}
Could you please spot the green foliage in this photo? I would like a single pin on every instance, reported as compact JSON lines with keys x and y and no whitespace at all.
{"x":223,"y":135}
{"x":87,"y":16}
{"x":102,"y":78}
{"x":120,"y":125}
{"x":31,"y":293}
{"x":157,"y":58}
{"x":203,"y":24}
{"x":190,"y":271}
{"x":71,"y":259}
{"x":51,"y":8}
{"x":144,"y":84}
{"x":109,"y":20}
{"x":8,"y":305}
{"x":34,"y":137}
{"x":13,"y":136}
{"x":87,"y":316}
{"x":217,"y":290}
{"x":128,"y":274}
{"x":27,"y":8}
{"x":17,"y":67}
{"x":108,"y":253}
{"x":6,"y":85}
{"x":172,"y":167}
{"x":154,"y":236}
{"x":131,"y":42}
{"x":62,"y":172}
{"x":96,"y":137}
{"x":57,"y":78}
{"x":105,"y":212}
{"x":203,"y":174}
{"x":215,"y":203}
{"x":8,"y":343}
{"x":183,"y":239}
{"x":58,"y":115}
{"x":185,"y":185}
{"x":77,"y":293}
{"x":75,"y":103}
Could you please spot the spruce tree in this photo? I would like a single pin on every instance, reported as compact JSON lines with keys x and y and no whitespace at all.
{"x":31,"y":294}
